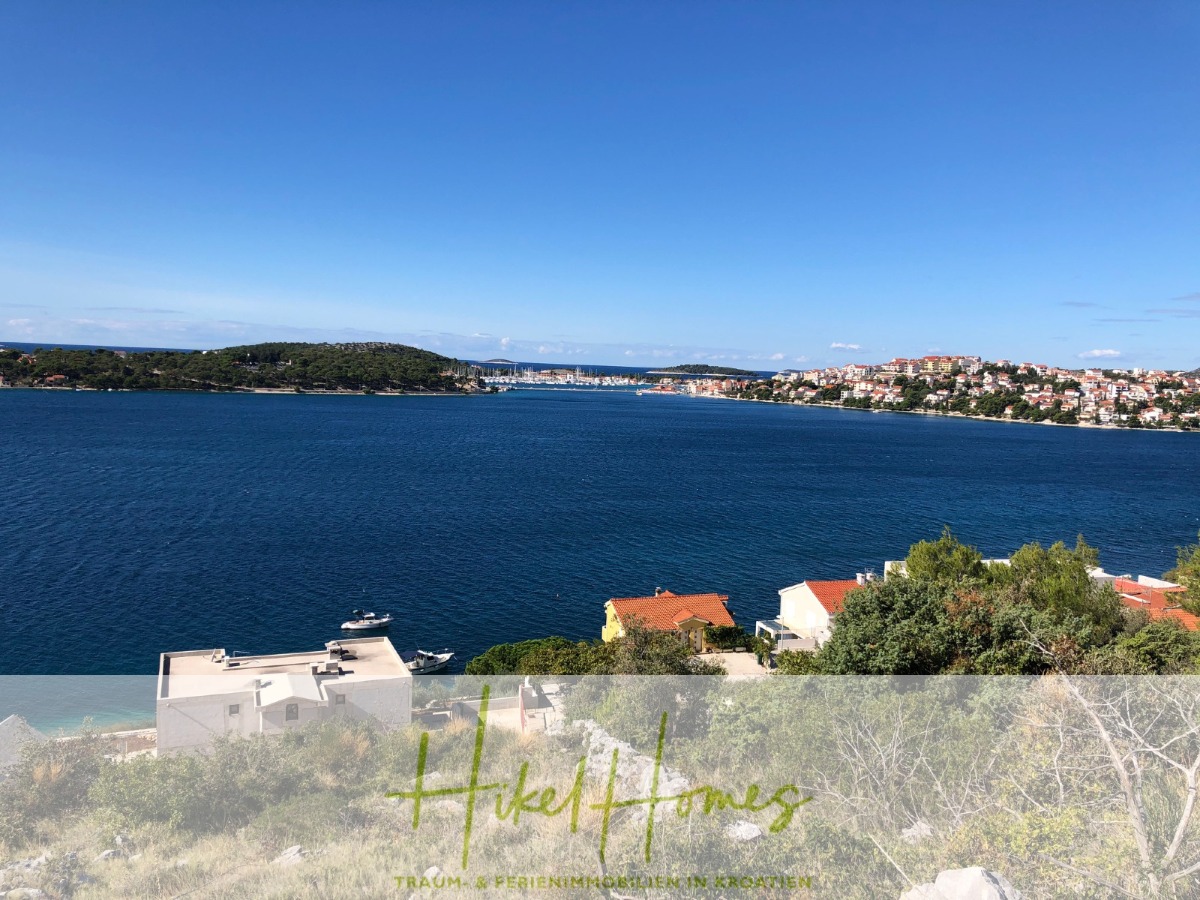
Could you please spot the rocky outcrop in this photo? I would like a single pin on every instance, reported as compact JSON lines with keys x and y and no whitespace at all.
{"x":15,"y":733}
{"x":290,"y":857}
{"x":634,"y":769}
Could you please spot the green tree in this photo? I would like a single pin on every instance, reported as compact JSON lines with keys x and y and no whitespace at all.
{"x":507,"y":659}
{"x":648,"y":651}
{"x":895,"y":627}
{"x":944,"y":560}
{"x":1056,"y":579}
{"x":797,"y":662}
{"x":1164,"y":647}
{"x":1187,"y":573}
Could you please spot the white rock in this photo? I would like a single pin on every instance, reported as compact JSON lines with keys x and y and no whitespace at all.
{"x":669,"y":783}
{"x":743,"y":831}
{"x":106,"y":855}
{"x":432,"y":872}
{"x":974,"y":883}
{"x":290,"y":856}
{"x":916,"y":833}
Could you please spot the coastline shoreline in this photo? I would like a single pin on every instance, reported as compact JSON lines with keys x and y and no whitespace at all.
{"x":957,"y":415}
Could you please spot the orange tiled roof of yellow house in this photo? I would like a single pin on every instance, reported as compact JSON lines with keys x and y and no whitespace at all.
{"x":687,"y":614}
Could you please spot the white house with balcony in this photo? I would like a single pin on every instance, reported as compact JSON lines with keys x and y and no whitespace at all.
{"x":807,"y":611}
{"x":206,"y":694}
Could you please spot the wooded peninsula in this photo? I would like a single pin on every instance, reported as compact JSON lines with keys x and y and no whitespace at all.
{"x":704,"y":369}
{"x":335,"y":368}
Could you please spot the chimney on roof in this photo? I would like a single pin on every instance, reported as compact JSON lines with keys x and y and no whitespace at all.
{"x":657,"y":591}
{"x":860,"y":577}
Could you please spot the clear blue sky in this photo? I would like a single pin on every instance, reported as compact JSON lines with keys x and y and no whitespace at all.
{"x":607,"y":182}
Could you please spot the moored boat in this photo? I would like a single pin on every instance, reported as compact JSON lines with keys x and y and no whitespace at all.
{"x":422,"y":662}
{"x":366,"y":621}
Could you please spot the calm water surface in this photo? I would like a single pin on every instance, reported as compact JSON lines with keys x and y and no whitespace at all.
{"x":136,"y":523}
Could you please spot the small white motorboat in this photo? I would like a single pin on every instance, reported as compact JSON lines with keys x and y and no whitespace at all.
{"x":422,"y":662}
{"x":367,"y":621}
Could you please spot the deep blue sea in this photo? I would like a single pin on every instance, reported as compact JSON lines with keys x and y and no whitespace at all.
{"x":132,"y":523}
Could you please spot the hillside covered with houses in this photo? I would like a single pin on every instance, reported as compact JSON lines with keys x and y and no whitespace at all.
{"x":970,"y":386}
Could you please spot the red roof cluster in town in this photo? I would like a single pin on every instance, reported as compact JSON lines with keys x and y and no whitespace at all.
{"x":830,"y":594}
{"x":668,"y":609}
{"x":1160,"y":603}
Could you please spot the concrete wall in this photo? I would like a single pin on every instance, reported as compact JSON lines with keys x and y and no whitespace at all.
{"x":192,"y":723}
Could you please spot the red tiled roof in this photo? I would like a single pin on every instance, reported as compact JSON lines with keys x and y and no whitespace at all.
{"x":668,"y":609}
{"x":830,"y":594}
{"x":1156,"y":601}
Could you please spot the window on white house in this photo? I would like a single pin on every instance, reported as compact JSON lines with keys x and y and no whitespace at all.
{"x":291,"y":712}
{"x":339,"y":699}
{"x":235,"y":708}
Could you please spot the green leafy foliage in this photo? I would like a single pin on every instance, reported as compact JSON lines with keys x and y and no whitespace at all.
{"x":705,"y":369}
{"x":640,"y":651}
{"x":1187,"y":573}
{"x":332,"y":367}
{"x":894,"y":627}
{"x":51,"y":781}
{"x":507,"y":659}
{"x":726,"y":637}
{"x":944,"y":560}
{"x":956,"y":614}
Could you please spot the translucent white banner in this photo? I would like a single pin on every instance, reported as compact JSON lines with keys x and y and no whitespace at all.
{"x":604,"y":786}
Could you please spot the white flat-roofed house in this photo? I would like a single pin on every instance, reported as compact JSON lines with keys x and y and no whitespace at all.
{"x":205,"y":694}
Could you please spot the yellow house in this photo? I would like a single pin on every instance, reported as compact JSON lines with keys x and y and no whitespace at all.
{"x":686,"y":614}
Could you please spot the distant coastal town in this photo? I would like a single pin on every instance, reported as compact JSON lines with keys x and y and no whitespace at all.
{"x":946,"y":385}
{"x":950,"y":385}
{"x":971,"y":386}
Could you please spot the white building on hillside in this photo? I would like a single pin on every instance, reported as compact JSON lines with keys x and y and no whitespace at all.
{"x":203,"y":694}
{"x":806,"y":613}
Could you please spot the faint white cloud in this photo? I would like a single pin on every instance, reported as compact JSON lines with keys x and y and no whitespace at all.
{"x":201,"y":333}
{"x":841,"y":345}
{"x":1177,"y":313}
{"x":800,"y":359}
{"x":775,"y":357}
{"x":1099,"y":354}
